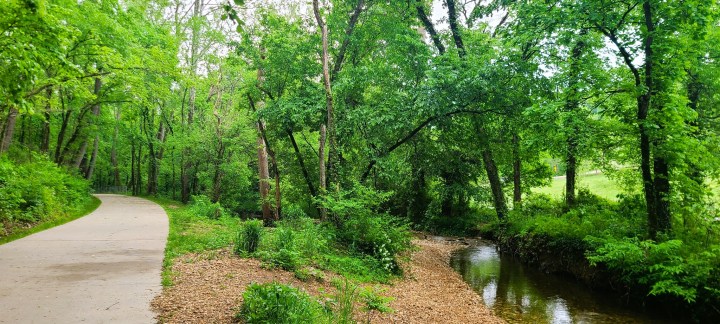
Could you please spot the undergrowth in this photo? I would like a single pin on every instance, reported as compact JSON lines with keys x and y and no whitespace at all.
{"x":36,"y":194}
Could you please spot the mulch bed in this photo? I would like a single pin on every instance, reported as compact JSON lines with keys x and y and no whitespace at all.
{"x":208,"y":288}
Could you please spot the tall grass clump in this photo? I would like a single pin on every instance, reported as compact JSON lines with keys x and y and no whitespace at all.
{"x":249,"y":236}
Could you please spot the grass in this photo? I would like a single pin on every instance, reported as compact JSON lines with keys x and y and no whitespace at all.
{"x":190,"y":233}
{"x":91,"y":204}
{"x":598,"y":184}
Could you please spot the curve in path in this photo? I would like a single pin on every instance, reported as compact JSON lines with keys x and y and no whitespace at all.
{"x":104,"y":267}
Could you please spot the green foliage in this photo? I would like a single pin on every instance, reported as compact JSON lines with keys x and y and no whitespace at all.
{"x":248,"y":237}
{"x":36,"y":191}
{"x":665,"y":268}
{"x":374,"y":301}
{"x":343,"y":301}
{"x":364,"y":229}
{"x":302,"y":245}
{"x":202,"y":206}
{"x":278,"y":303}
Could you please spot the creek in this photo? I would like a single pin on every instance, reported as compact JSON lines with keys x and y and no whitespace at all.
{"x":521,"y":294}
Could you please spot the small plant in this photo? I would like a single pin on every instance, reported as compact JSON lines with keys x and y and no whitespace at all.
{"x":373,"y":301}
{"x":278,"y":303}
{"x":302,"y":274}
{"x":248,"y":237}
{"x":343,"y":302}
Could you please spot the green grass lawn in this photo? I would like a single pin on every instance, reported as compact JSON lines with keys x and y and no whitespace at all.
{"x":598,"y":184}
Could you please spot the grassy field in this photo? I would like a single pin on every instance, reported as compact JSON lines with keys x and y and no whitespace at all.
{"x":598,"y":184}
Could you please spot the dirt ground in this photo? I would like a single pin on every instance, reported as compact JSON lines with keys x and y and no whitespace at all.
{"x":208,"y":289}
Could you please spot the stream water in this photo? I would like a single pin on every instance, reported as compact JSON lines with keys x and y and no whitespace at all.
{"x":520,"y":294}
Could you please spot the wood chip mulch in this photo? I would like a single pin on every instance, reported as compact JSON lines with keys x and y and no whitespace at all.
{"x":208,"y":289}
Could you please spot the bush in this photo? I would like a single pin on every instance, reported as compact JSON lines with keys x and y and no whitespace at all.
{"x":202,"y":206}
{"x":249,"y":237}
{"x":364,"y":229}
{"x":278,"y":303}
{"x":37,"y":190}
{"x":665,"y":268}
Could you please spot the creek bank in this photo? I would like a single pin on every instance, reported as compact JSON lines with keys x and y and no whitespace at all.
{"x":566,"y":257}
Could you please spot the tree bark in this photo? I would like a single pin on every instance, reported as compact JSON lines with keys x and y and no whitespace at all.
{"x":45,"y":141}
{"x":132,"y":168}
{"x":330,"y":124}
{"x":572,"y":103}
{"x":659,"y":217}
{"x":346,"y":41}
{"x":517,"y":169}
{"x":96,"y":114}
{"x":9,"y":129}
{"x":495,"y":184}
{"x":61,"y":134}
{"x":301,"y":162}
{"x":113,"y":151}
{"x":493,"y":175}
{"x":264,"y":180}
{"x":429,"y":27}
{"x":454,"y":27}
{"x":80,"y":155}
{"x":321,"y":158}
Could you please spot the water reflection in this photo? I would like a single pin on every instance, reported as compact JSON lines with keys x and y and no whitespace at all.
{"x":522,"y":295}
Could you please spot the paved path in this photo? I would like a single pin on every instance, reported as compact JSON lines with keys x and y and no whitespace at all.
{"x":102,"y":268}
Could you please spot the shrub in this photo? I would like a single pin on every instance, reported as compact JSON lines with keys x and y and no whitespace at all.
{"x":361,"y":227}
{"x":202,"y":206}
{"x":37,"y":190}
{"x":278,"y":303}
{"x":249,"y":237}
{"x":374,"y":301}
{"x":665,"y":268}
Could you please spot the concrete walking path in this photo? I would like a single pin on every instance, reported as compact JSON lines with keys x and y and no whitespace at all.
{"x":102,"y":268}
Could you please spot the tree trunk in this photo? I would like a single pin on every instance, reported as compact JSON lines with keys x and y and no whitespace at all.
{"x":93,"y":156}
{"x":264,"y":180}
{"x":517,"y":168}
{"x":301,"y":162}
{"x":61,"y":134}
{"x":138,"y":176}
{"x":657,"y":187}
{"x":45,"y":142}
{"x":454,"y":27}
{"x":572,"y":103}
{"x":96,"y":114}
{"x":495,"y":184}
{"x":80,"y":155}
{"x":113,"y":152}
{"x":429,"y":27}
{"x":9,"y":130}
{"x":185,"y":166}
{"x":330,"y":124}
{"x":132,"y":168}
{"x":493,"y":174}
{"x":321,"y":162}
